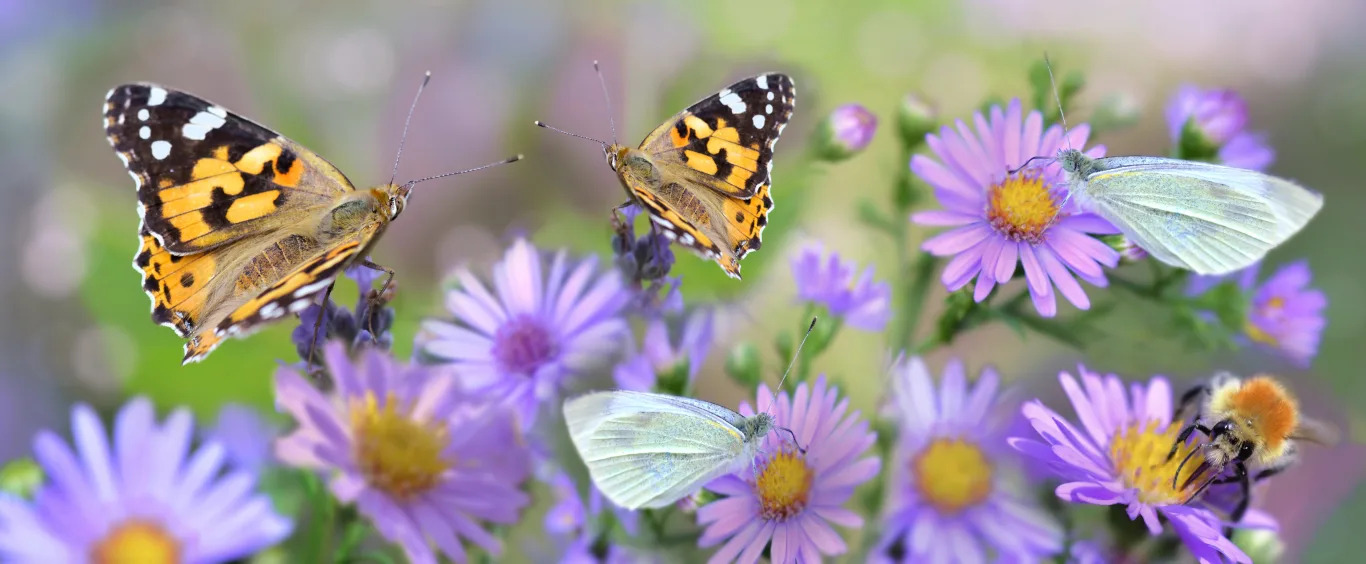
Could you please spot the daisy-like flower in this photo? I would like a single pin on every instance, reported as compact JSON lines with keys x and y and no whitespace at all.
{"x":368,"y":325}
{"x":537,"y":328}
{"x":1119,"y":456}
{"x":789,"y":500}
{"x":246,"y":436}
{"x":1218,"y":118}
{"x":582,"y":526}
{"x":949,"y":493}
{"x":1285,"y":314}
{"x":668,"y":361}
{"x":828,"y":281}
{"x":1002,"y":218}
{"x":145,"y":496}
{"x":423,"y":460}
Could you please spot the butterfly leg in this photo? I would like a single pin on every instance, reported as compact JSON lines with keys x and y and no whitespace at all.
{"x":318,"y":324}
{"x":378,"y":298}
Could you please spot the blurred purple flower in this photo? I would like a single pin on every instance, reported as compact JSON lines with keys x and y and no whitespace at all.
{"x":659,"y":354}
{"x":1120,"y":456}
{"x":1285,"y":314}
{"x":582,"y":525}
{"x":542,"y":328}
{"x":949,"y":499}
{"x":646,"y":260}
{"x":794,"y":496}
{"x":1001,"y":218}
{"x":846,"y":132}
{"x":829,"y":281}
{"x":142,"y":497}
{"x":1220,"y":117}
{"x":245,"y":435}
{"x":422,"y":459}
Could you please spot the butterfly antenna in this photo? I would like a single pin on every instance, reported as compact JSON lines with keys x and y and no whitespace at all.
{"x":610,"y":120}
{"x":540,"y":123}
{"x":1057,"y":98}
{"x":511,"y":159}
{"x":425,"y":79}
{"x":796,"y":355}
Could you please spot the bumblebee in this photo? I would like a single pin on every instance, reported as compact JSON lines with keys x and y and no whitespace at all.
{"x":1253,"y":426}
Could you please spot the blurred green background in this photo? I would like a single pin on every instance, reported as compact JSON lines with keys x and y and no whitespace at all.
{"x":338,"y":77}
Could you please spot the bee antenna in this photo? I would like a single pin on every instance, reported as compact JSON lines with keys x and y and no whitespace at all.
{"x":610,"y":120}
{"x":402,"y":139}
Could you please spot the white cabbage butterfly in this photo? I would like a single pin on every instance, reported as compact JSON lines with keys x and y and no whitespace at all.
{"x":1203,"y":217}
{"x":646,"y":450}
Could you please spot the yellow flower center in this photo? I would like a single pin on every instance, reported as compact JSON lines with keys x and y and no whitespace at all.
{"x":136,"y":542}
{"x":397,"y":454}
{"x":1021,"y":208}
{"x":1140,"y":458}
{"x":1273,"y":306}
{"x":784,"y":486}
{"x":952,"y":475}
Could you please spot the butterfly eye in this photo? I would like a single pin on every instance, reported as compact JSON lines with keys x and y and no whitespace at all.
{"x":394,"y":207}
{"x":612,"y":160}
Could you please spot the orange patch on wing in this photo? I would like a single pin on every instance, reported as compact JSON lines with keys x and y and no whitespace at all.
{"x":204,"y":168}
{"x":191,"y":225}
{"x":221,"y":153}
{"x":700,"y":162}
{"x":179,"y":280}
{"x":738,"y":176}
{"x":727,"y":133}
{"x":698,"y":127}
{"x":676,"y":139}
{"x":251,"y":207}
{"x":1269,"y":407}
{"x":289,"y":178}
{"x":254,"y":161}
{"x":737,"y":154}
{"x":231,"y":184}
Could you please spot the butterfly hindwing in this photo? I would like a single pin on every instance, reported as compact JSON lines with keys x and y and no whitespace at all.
{"x":205,"y":176}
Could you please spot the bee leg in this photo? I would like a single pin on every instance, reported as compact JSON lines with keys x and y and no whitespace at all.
{"x":1184,"y":436}
{"x":1240,"y":474}
{"x":317,"y":325}
{"x":1191,"y":401}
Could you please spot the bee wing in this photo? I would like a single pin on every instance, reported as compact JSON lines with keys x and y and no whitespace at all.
{"x":1207,"y":218}
{"x":1315,"y":431}
{"x":650,"y":450}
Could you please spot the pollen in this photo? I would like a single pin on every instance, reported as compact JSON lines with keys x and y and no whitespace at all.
{"x":784,"y":486}
{"x":1139,"y":453}
{"x":952,"y":475}
{"x":397,"y":454}
{"x":1021,"y":207}
{"x":136,"y":542}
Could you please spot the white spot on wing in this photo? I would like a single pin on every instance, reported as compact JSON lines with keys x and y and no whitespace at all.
{"x":143,"y":114}
{"x":768,"y":108}
{"x":194,"y":131}
{"x":145,"y":132}
{"x":299,"y":305}
{"x":770,"y":96}
{"x":762,"y":81}
{"x":160,"y":149}
{"x":136,"y":180}
{"x":758,"y":121}
{"x":305,"y":291}
{"x":156,"y":96}
{"x":272,"y":310}
{"x":733,"y":101}
{"x":687,"y":239}
{"x":218,"y":111}
{"x":110,"y":94}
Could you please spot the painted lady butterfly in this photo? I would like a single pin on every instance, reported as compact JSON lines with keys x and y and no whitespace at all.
{"x":240,"y":226}
{"x":704,"y":174}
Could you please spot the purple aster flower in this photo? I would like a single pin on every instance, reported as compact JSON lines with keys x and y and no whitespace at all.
{"x":949,"y":493}
{"x":536,"y":329}
{"x":1002,"y":218}
{"x":582,"y":525}
{"x":144,"y":496}
{"x":370,"y":324}
{"x":1220,"y":117}
{"x":829,"y":281}
{"x":793,"y":497}
{"x":1285,"y":314}
{"x":662,"y":356}
{"x":245,"y":435}
{"x":423,"y":460}
{"x":846,"y":132}
{"x":1119,"y":456}
{"x":646,"y":259}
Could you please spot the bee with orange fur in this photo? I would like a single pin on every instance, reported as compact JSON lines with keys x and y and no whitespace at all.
{"x":1252,"y":424}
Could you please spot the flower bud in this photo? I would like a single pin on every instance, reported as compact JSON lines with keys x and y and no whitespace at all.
{"x":1128,"y":251}
{"x":845,"y":132}
{"x":915,"y":118}
{"x":21,"y":478}
{"x":743,"y":365}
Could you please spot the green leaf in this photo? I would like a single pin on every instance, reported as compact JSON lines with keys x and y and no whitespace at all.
{"x":21,"y":477}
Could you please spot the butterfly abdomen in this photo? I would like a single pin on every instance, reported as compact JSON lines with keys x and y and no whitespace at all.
{"x":274,"y":262}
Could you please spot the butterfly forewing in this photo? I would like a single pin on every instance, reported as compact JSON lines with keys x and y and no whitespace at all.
{"x":715,"y":161}
{"x":650,"y":450}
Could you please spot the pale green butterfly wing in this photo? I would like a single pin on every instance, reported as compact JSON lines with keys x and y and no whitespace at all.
{"x":1207,"y":218}
{"x":650,"y":450}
